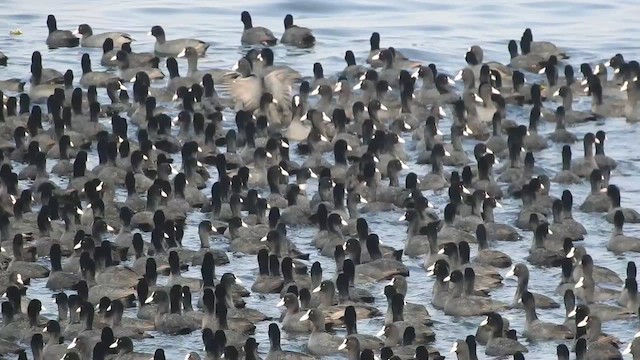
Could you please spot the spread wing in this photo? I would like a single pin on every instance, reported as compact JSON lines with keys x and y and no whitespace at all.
{"x":246,"y":93}
{"x":279,"y":83}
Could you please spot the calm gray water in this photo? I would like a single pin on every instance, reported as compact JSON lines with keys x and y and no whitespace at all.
{"x":428,"y":31}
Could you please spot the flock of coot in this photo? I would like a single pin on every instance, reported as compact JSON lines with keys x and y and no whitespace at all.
{"x":108,"y":239}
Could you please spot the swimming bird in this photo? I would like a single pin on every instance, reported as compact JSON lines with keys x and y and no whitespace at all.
{"x":96,"y":78}
{"x":497,"y":344}
{"x":537,"y":329}
{"x":89,"y":39}
{"x":275,"y":350}
{"x":254,"y":35}
{"x":59,"y":38}
{"x":618,"y":241}
{"x":630,"y":215}
{"x":164,"y":47}
{"x":296,"y":35}
{"x":320,"y":343}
